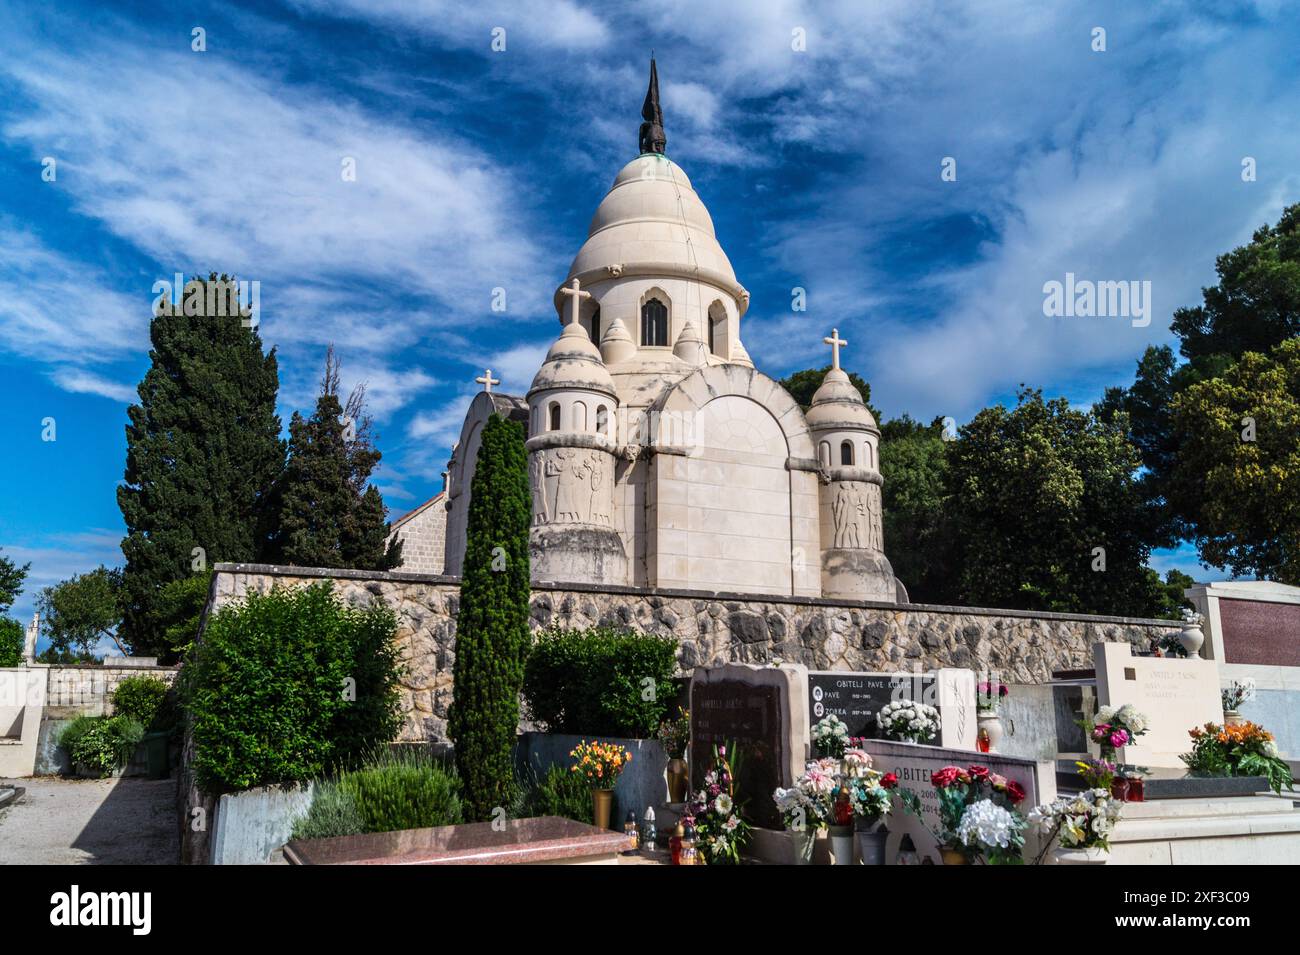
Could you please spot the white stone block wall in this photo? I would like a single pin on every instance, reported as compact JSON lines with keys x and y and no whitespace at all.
{"x":424,"y":537}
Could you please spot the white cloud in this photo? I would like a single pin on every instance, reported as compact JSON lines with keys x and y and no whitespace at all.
{"x":80,"y":381}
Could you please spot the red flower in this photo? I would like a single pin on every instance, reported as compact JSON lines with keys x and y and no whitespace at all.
{"x":943,"y":778}
{"x":1015,"y":791}
{"x":979,"y":773}
{"x":889,"y":780}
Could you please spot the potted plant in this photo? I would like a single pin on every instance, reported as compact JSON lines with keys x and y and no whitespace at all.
{"x":1191,"y":637}
{"x":978,"y":818}
{"x":1114,"y":727}
{"x":1234,"y":695}
{"x":830,"y":737}
{"x":1077,"y":828}
{"x":1244,"y":750}
{"x":988,"y":697}
{"x":675,"y":736}
{"x":713,"y":812}
{"x":601,"y":764}
{"x":870,"y":801}
{"x":908,"y":721}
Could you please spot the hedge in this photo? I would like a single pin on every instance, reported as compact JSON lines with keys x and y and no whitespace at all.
{"x":288,"y":685}
{"x":600,"y":682}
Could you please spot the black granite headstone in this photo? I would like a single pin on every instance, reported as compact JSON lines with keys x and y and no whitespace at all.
{"x":856,"y":698}
{"x":747,"y":718}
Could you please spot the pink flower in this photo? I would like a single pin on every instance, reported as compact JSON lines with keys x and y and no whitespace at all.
{"x":1118,"y":738}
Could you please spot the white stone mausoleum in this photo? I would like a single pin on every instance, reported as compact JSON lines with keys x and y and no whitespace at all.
{"x":659,"y":456}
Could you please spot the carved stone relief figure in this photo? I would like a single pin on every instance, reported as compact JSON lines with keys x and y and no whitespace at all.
{"x":874,"y":531}
{"x":599,"y":501}
{"x":849,"y":514}
{"x":573,"y":487}
{"x":537,"y":483}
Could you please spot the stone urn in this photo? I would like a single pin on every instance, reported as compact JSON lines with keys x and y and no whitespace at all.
{"x":1192,"y":638}
{"x":1094,"y":855}
{"x":1233,"y":718}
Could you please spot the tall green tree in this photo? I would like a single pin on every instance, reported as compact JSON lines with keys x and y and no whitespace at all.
{"x":492,"y":636}
{"x":203,"y":454}
{"x":1047,"y":512}
{"x":1239,"y":461}
{"x":79,"y":612}
{"x":918,"y":536}
{"x":329,"y":513}
{"x":11,"y":581}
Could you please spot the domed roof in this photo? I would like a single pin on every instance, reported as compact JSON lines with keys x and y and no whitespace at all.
{"x":838,"y":406}
{"x":651,"y":222}
{"x":573,"y":362}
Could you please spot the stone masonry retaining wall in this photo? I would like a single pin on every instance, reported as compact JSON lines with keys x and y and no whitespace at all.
{"x":715,"y":628}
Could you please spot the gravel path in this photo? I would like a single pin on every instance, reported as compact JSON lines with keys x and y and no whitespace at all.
{"x":91,"y":822}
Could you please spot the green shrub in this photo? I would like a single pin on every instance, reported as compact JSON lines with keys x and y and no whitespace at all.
{"x":560,"y":792}
{"x":101,"y":743}
{"x":403,"y":791}
{"x":141,"y":698}
{"x":268,"y":688}
{"x":12,"y":640}
{"x":594,"y":682}
{"x":393,"y":790}
{"x":333,"y":812}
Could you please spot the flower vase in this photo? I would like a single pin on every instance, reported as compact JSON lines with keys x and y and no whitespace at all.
{"x":989,"y":722}
{"x":676,"y":780}
{"x":803,"y":842}
{"x":1233,"y":718}
{"x":953,"y":856}
{"x":1095,"y":855}
{"x":841,"y":845}
{"x":871,"y":843}
{"x":602,"y":804}
{"x":1191,"y":638}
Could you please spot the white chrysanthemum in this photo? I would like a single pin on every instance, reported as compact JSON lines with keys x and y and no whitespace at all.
{"x":723,"y":804}
{"x":1104,"y":714}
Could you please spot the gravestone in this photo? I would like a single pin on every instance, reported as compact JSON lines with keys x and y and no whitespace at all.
{"x":1176,"y":695}
{"x":761,"y":712}
{"x":856,"y":698}
{"x":914,"y":765}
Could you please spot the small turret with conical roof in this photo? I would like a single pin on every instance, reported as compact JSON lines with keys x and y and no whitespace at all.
{"x":853,"y":557}
{"x":573,"y":417}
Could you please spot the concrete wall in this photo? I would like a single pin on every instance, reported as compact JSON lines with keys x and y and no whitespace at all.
{"x":715,"y":628}
{"x":644,"y":782}
{"x":250,"y":827}
{"x":22,"y":700}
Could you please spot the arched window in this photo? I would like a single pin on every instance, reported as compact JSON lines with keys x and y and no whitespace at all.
{"x":717,"y":315}
{"x":554,"y":412}
{"x":602,"y":419}
{"x":595,"y":326}
{"x":846,"y":452}
{"x":824,"y":452}
{"x":654,"y":323}
{"x":868,"y":459}
{"x":579,"y":416}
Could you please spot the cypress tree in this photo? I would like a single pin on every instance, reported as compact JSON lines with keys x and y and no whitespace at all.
{"x":203,"y":453}
{"x":492,"y":625}
{"x":328,"y":514}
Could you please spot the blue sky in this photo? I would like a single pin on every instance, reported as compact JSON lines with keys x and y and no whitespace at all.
{"x":479,"y":169}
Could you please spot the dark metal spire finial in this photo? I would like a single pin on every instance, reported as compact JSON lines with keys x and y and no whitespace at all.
{"x":653,"y":139}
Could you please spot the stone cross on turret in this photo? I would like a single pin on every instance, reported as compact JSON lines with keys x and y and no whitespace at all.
{"x":576,"y":295}
{"x":835,"y":342}
{"x":487,"y":381}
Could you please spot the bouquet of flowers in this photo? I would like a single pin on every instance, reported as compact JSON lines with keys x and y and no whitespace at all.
{"x":1237,"y":693}
{"x":720,"y":832}
{"x":830,"y":736}
{"x":601,"y":763}
{"x":1097,"y":773}
{"x":675,"y":734}
{"x":988,"y":695}
{"x":977,"y":813}
{"x":1114,"y":727}
{"x":1081,"y":821}
{"x":1246,"y":750}
{"x":807,"y":804}
{"x":908,"y":721}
